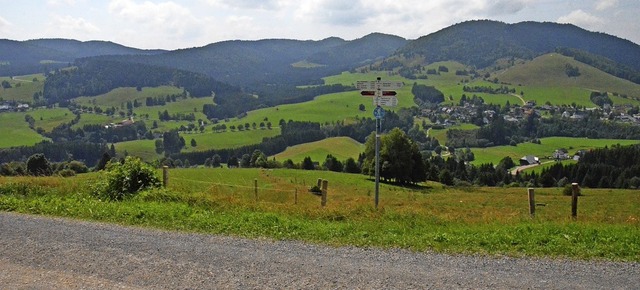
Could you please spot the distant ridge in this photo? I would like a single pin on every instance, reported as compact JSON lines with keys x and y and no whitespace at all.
{"x":480,"y":43}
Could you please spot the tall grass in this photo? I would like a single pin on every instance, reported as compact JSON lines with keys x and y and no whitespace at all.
{"x":424,"y":218}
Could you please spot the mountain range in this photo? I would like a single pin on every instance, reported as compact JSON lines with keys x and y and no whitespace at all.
{"x":250,"y":64}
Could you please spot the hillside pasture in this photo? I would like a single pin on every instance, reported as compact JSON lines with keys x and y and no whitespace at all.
{"x":118,"y":97}
{"x":22,"y":88}
{"x":340,"y":147}
{"x":543,"y":150}
{"x":546,"y":77}
{"x":15,"y":131}
{"x":229,"y":139}
{"x":48,"y":119}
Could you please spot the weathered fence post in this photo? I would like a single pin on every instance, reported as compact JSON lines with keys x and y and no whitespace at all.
{"x":295,"y":201}
{"x":532,"y":202}
{"x":575,"y":190}
{"x":325,"y":185}
{"x":255,"y":188}
{"x":319,"y":182}
{"x":165,"y":176}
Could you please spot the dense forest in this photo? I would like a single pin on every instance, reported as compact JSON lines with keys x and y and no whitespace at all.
{"x":90,"y":77}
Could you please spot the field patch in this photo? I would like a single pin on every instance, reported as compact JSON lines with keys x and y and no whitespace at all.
{"x":543,"y":150}
{"x":340,"y":147}
{"x":15,"y":131}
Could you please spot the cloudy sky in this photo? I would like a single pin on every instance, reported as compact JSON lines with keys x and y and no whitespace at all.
{"x":173,"y":24}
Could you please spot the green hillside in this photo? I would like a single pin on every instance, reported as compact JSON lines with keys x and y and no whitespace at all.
{"x":340,"y":147}
{"x":543,"y":150}
{"x":545,"y":79}
{"x":15,"y":131}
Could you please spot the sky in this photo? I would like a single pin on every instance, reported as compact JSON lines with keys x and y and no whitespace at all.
{"x":175,"y":24}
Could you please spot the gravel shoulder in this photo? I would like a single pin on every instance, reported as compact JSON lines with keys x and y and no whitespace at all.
{"x":52,"y":253}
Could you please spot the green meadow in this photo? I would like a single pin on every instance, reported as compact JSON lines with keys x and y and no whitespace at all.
{"x":543,"y":150}
{"x":427,"y":218}
{"x":48,"y":119}
{"x":22,"y":88}
{"x":15,"y":131}
{"x":340,"y":147}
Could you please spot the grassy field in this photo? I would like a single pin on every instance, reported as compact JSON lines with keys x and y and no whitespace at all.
{"x":15,"y":131}
{"x":119,"y":96}
{"x":544,"y":79}
{"x":486,"y":221}
{"x":48,"y":119}
{"x":228,"y":139}
{"x":543,"y":150}
{"x":441,"y":134}
{"x":22,"y":88}
{"x":340,"y":147}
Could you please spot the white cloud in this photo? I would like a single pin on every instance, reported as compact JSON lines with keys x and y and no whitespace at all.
{"x":164,"y":22}
{"x":247,"y":4}
{"x":61,"y":2}
{"x":606,"y":4}
{"x":335,"y":12}
{"x":68,"y":25}
{"x":4,"y":23}
{"x":582,"y":19}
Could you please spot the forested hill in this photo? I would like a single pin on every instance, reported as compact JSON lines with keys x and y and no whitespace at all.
{"x":480,"y":43}
{"x":36,"y":56}
{"x":275,"y":61}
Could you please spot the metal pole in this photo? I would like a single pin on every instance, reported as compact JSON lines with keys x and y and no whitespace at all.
{"x":377,"y":144}
{"x":377,"y":160}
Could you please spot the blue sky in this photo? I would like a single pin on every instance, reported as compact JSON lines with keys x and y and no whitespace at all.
{"x":192,"y":23}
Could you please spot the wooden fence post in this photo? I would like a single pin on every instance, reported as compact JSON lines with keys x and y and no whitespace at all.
{"x":575,"y":190}
{"x":295,"y":201}
{"x":165,"y":176}
{"x":532,"y":202}
{"x":319,"y":182}
{"x":255,"y":188}
{"x":325,"y":185}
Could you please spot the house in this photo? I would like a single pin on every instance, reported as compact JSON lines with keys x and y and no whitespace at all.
{"x":529,"y":160}
{"x":560,"y":155}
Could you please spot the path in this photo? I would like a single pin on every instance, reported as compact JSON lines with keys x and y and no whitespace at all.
{"x":51,"y":253}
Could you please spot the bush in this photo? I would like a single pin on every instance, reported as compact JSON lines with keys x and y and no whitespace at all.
{"x":66,"y":173}
{"x":126,"y":179}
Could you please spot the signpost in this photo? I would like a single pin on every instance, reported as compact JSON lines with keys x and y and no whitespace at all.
{"x":383,"y":94}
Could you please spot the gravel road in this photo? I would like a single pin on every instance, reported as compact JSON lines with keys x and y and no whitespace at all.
{"x":52,"y":253}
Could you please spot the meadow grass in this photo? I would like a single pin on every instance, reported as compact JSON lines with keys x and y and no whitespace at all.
{"x":441,"y":134}
{"x":50,"y":118}
{"x":15,"y":131}
{"x":22,"y":88}
{"x":340,"y":147}
{"x":489,"y":221}
{"x":544,"y":150}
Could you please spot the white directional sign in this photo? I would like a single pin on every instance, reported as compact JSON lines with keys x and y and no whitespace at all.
{"x":372,"y":85}
{"x":387,"y":101}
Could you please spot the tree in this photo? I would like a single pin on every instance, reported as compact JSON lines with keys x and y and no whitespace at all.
{"x":216,"y":160}
{"x":193,"y":142}
{"x":445,"y":177}
{"x":361,"y":107}
{"x":232,"y":162}
{"x":6,"y":85}
{"x":38,"y":165}
{"x":331,"y":163}
{"x":350,"y":166}
{"x":307,"y":164}
{"x":245,"y":161}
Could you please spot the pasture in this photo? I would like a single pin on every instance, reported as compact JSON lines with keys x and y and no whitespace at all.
{"x":15,"y":131}
{"x":544,"y":150}
{"x":22,"y":88}
{"x":340,"y":147}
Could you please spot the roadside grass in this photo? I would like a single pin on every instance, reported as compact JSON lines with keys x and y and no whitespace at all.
{"x":340,"y":147}
{"x":15,"y":131}
{"x":486,"y":221}
{"x":22,"y":88}
{"x":543,"y":150}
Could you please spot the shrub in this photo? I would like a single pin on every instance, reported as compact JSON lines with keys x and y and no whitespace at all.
{"x":66,"y":173}
{"x":126,"y":178}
